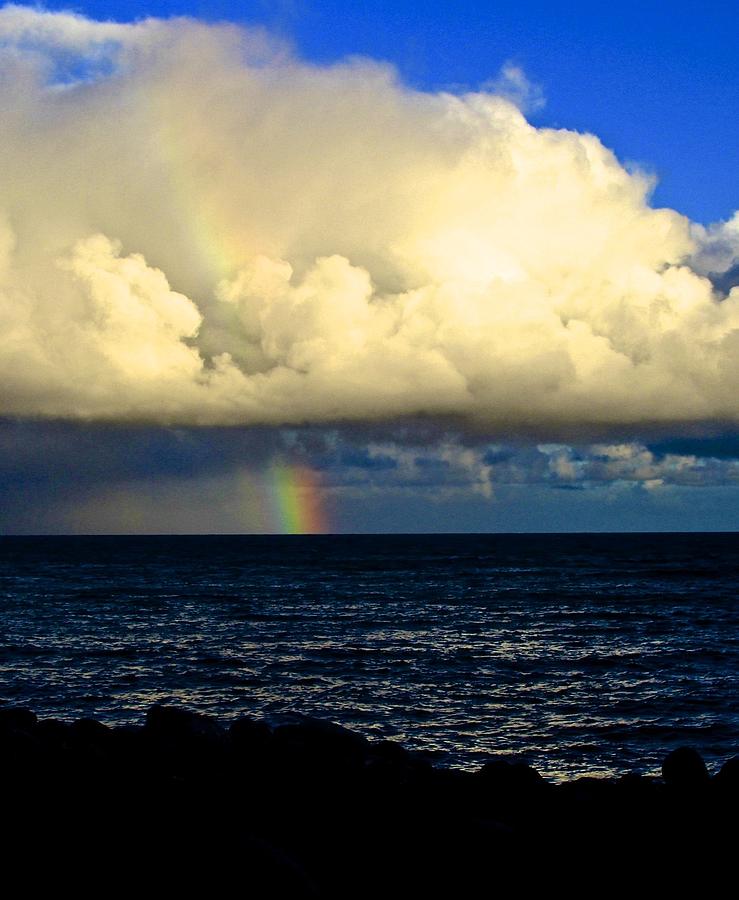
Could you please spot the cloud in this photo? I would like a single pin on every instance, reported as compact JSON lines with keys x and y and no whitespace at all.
{"x":635,"y":464}
{"x":71,"y":477}
{"x":198,"y":228}
{"x":717,"y":253}
{"x":513,"y":84}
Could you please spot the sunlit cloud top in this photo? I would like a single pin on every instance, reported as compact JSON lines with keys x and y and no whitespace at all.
{"x":196,"y":227}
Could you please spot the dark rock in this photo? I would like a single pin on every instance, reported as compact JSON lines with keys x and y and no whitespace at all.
{"x":90,"y":731}
{"x":634,"y":785}
{"x":129,"y":739}
{"x":684,"y":768}
{"x":18,"y":718}
{"x":249,"y":736}
{"x":388,"y":765}
{"x":54,"y":732}
{"x":459,"y":790}
{"x":728,"y":776}
{"x":587,"y":792}
{"x":173,"y":723}
{"x":511,"y":776}
{"x":274,"y":870}
{"x":316,"y":736}
{"x":18,"y":747}
{"x":389,"y":751}
{"x":313,"y":808}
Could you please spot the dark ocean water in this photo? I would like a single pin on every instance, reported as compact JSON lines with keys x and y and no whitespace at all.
{"x":583,"y":654}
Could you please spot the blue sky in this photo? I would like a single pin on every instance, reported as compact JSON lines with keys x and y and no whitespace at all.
{"x":653,"y":445}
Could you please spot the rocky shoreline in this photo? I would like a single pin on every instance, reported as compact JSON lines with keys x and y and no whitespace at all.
{"x":183,"y":803}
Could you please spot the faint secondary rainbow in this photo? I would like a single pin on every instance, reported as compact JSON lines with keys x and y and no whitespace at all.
{"x":189,"y":149}
{"x":296,"y":500}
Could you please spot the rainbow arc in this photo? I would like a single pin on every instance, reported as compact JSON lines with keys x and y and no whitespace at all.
{"x":296,"y":500}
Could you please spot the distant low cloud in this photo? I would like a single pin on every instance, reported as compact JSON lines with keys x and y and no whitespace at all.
{"x":452,"y":466}
{"x":198,"y":228}
{"x":70,"y":477}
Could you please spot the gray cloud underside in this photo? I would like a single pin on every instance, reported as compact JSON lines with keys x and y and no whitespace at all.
{"x":198,"y":228}
{"x":82,"y":457}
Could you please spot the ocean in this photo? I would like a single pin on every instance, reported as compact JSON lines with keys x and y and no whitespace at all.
{"x":582,"y":654}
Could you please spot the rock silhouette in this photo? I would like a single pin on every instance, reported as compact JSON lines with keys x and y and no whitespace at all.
{"x":311,"y":809}
{"x":728,"y":776}
{"x":684,"y":767}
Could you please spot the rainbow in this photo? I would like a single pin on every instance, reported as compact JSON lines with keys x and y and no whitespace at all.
{"x":284,"y":499}
{"x":218,"y":232}
{"x":296,"y":500}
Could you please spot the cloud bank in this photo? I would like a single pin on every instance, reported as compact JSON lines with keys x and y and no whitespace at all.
{"x":198,"y":228}
{"x":65,"y":477}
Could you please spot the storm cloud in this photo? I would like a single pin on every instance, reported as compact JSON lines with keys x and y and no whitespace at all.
{"x":197,"y":228}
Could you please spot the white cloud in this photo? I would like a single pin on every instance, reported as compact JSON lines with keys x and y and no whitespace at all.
{"x":513,"y":84}
{"x":717,"y":248}
{"x":449,"y":466}
{"x":196,"y":227}
{"x":634,"y":463}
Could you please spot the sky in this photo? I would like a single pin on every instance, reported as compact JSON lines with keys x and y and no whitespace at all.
{"x":306,"y":266}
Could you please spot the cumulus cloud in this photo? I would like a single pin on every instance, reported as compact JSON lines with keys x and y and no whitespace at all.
{"x":717,"y":253}
{"x":717,"y":247}
{"x":451,"y":466}
{"x":634,"y":463}
{"x":196,"y":227}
